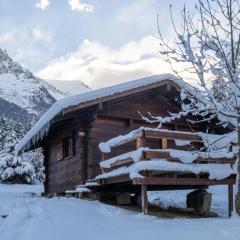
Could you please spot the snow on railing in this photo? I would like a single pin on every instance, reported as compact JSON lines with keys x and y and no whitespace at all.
{"x":180,"y":137}
{"x":106,"y":147}
{"x":144,"y":158}
{"x":215,"y":171}
{"x":172,"y":155}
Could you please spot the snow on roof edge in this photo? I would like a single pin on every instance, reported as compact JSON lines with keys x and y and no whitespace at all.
{"x":40,"y":129}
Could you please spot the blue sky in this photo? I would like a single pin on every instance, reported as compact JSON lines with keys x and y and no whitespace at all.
{"x":50,"y":37}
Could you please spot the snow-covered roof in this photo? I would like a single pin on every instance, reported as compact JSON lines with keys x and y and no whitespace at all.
{"x":40,"y":129}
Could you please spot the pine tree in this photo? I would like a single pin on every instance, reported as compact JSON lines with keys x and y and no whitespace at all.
{"x":27,"y":168}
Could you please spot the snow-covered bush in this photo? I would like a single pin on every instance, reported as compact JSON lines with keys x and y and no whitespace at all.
{"x":27,"y":168}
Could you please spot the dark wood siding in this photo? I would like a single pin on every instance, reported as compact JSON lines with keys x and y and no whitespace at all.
{"x":122,"y":117}
{"x":65,"y":174}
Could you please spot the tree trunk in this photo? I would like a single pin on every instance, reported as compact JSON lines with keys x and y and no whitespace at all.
{"x":237,"y":197}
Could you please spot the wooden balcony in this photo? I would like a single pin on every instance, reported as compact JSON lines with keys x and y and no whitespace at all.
{"x":161,"y":178}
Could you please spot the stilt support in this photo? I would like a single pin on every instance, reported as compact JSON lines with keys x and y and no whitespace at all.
{"x":230,"y":199}
{"x":144,"y":198}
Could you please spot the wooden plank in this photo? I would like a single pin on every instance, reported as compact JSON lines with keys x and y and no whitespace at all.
{"x":173,"y":135}
{"x":164,"y":143}
{"x":46,"y":170}
{"x":170,"y":181}
{"x":122,"y":162}
{"x":139,"y":142}
{"x":230,"y":199}
{"x":181,"y":181}
{"x":130,"y":139}
{"x":148,"y":155}
{"x":108,"y":117}
{"x":164,"y":135}
{"x":117,"y":179}
{"x":144,"y":199}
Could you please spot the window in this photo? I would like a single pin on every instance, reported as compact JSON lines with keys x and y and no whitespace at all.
{"x":67,"y":147}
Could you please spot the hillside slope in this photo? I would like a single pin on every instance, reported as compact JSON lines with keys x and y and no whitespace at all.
{"x":22,"y":93}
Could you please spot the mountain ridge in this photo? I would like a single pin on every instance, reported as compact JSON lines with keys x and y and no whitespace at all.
{"x":70,"y":87}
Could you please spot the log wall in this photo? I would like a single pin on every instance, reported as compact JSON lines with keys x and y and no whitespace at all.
{"x":64,"y":174}
{"x":121,"y":117}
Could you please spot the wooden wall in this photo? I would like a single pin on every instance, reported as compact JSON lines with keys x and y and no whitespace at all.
{"x":65,"y":174}
{"x":121,"y":117}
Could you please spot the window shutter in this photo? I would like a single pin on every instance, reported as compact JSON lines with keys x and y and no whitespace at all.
{"x":59,"y":150}
{"x":73,"y":143}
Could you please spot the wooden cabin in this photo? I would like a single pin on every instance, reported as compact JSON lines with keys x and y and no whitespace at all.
{"x":72,"y":129}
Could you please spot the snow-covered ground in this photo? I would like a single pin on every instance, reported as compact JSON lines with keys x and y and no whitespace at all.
{"x":178,"y":199}
{"x":31,"y":217}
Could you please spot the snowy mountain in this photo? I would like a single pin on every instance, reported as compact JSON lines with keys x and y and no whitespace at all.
{"x":70,"y":87}
{"x":23,"y":96}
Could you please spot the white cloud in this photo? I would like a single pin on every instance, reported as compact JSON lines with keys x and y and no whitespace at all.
{"x":98,"y":65}
{"x":141,"y":12}
{"x":29,"y":45}
{"x":77,"y":5}
{"x":42,"y":4}
{"x":42,"y":35}
{"x":6,"y":37}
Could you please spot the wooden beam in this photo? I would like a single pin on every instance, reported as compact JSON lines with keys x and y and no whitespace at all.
{"x":130,"y":139}
{"x":181,"y":181}
{"x":109,"y":116}
{"x":166,"y":155}
{"x":148,"y":155}
{"x":121,"y":163}
{"x":170,"y":181}
{"x":164,"y":143}
{"x":144,"y":199}
{"x":46,"y":167}
{"x":139,"y":142}
{"x":117,"y":179}
{"x":173,"y":135}
{"x":230,"y":199}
